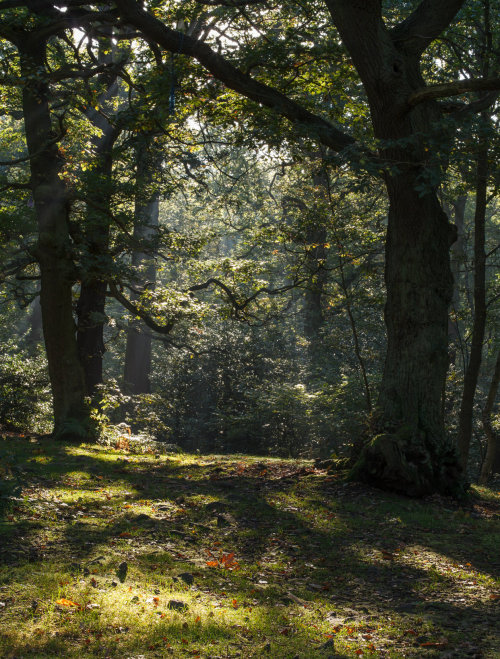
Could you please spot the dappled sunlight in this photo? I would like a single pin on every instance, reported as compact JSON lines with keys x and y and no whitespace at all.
{"x":220,"y":555}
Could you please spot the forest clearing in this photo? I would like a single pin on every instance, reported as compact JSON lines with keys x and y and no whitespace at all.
{"x":117,"y":554}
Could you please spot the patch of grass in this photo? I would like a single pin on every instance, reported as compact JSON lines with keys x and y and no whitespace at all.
{"x":236,"y":556}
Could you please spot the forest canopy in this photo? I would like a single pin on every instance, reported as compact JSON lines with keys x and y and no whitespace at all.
{"x":242,"y":225}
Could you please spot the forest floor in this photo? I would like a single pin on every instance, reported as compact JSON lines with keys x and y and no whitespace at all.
{"x":106,"y":553}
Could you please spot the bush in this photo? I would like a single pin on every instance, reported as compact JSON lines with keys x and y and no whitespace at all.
{"x":24,"y":390}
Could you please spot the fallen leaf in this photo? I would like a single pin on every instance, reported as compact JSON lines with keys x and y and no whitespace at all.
{"x":69,"y":603}
{"x":434,"y":644}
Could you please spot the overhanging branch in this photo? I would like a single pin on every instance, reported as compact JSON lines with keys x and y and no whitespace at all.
{"x":171,"y":40}
{"x":130,"y":306}
{"x":457,"y":88}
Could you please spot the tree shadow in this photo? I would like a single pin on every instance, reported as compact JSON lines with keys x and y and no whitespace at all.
{"x":333,"y":559}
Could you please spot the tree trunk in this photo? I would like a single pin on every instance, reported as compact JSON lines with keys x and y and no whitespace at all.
{"x":35,"y":333}
{"x":492,"y":459}
{"x":458,"y":261}
{"x":314,"y":293}
{"x":92,"y":300}
{"x":71,"y":418}
{"x":137,"y":367}
{"x":411,"y":452}
{"x":479,"y":324}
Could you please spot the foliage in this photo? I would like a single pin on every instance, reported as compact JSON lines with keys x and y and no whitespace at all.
{"x":24,"y":389}
{"x":143,"y":414}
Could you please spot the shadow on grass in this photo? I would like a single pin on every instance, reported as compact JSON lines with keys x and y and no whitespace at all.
{"x":330,"y":556}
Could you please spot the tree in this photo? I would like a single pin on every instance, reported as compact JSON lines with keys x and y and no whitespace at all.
{"x":138,"y":351}
{"x":95,"y":232}
{"x":492,"y":459}
{"x":51,"y":201}
{"x":479,"y":324}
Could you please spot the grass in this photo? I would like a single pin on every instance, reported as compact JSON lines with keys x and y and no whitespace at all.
{"x":235,"y":556}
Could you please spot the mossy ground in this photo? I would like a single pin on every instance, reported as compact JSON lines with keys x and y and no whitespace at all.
{"x":321,"y":568}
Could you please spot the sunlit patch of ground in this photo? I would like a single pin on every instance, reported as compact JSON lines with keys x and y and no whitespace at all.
{"x":111,"y":554}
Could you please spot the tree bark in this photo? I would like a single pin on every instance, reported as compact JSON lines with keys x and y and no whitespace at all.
{"x":479,"y":324}
{"x":35,"y":333}
{"x":492,"y":459}
{"x":50,"y":196}
{"x":137,"y":367}
{"x":314,"y":293}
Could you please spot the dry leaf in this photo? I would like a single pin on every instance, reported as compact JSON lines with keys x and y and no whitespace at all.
{"x":65,"y":602}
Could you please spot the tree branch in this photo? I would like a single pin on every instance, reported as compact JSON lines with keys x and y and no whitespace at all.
{"x":130,"y":306}
{"x":17,"y":161}
{"x":240,"y":306}
{"x":452,"y":89}
{"x":232,"y":3}
{"x":479,"y":105}
{"x":176,"y":42}
{"x":425,"y":24}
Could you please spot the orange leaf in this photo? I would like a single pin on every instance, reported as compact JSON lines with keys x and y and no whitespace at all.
{"x":212,"y":563}
{"x":234,"y":604}
{"x":64,"y":602}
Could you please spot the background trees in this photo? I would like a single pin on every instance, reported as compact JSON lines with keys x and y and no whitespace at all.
{"x":283,"y":142}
